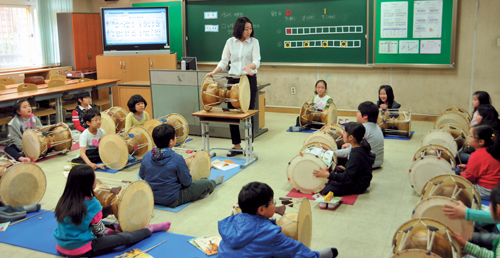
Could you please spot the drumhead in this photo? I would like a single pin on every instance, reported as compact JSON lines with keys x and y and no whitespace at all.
{"x":61,"y":138}
{"x":22,"y":184}
{"x":34,"y":144}
{"x":151,"y":125}
{"x":141,"y":138}
{"x":417,"y":242}
{"x":300,"y":173}
{"x":457,"y":133}
{"x":298,"y":225}
{"x":322,"y":137}
{"x":108,"y":123}
{"x":244,"y":93}
{"x":425,"y":168}
{"x":440,"y":137}
{"x":445,"y":186}
{"x":136,"y":206}
{"x":332,"y":114}
{"x":113,"y":151}
{"x":434,"y":150}
{"x":119,"y":115}
{"x":200,"y":165}
{"x":181,"y":126}
{"x":432,"y":207}
{"x":335,"y":131}
{"x":208,"y":98}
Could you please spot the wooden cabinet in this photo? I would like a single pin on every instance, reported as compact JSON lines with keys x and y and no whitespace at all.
{"x":131,"y":68}
{"x":80,"y":39}
{"x":126,"y":92}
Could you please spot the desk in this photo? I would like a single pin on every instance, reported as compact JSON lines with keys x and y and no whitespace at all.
{"x":55,"y":92}
{"x":230,"y":117}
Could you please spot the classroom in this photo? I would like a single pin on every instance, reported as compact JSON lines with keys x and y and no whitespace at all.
{"x":299,"y":78}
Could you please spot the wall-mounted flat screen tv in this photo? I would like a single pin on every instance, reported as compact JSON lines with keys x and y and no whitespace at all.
{"x":132,"y":28}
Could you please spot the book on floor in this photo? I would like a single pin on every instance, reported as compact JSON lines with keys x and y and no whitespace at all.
{"x":224,"y":165}
{"x":207,"y":244}
{"x":136,"y":253}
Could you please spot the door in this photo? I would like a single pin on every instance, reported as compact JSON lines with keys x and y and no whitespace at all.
{"x":135,"y":68}
{"x":80,"y":41}
{"x":94,"y":37}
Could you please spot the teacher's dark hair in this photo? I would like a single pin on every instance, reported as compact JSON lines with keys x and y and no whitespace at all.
{"x":239,"y":27}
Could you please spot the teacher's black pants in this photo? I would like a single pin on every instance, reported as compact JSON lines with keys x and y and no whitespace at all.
{"x":235,"y":129}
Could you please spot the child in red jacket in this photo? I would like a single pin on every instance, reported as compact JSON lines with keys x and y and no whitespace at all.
{"x":483,"y":168}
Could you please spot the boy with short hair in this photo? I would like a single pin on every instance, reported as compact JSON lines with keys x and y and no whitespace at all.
{"x":252,"y":234}
{"x":83,"y":100}
{"x":89,"y":140}
{"x":168,"y":175}
{"x":367,"y":115}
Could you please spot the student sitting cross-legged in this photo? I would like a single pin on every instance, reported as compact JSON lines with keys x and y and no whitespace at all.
{"x":168,"y":175}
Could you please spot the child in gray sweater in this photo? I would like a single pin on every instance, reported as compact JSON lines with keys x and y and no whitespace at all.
{"x":24,"y":119}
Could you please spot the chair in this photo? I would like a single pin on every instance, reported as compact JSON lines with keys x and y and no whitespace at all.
{"x":55,"y":83}
{"x":2,"y":87}
{"x":39,"y":112}
{"x":100,"y":103}
{"x":7,"y":81}
{"x":58,"y":77}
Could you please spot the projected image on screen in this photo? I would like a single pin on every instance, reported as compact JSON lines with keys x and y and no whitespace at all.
{"x":135,"y":26}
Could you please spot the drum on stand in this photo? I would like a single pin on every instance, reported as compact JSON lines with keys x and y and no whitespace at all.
{"x":425,"y":238}
{"x":179,"y":123}
{"x":454,"y":115}
{"x":118,"y":115}
{"x":440,"y":137}
{"x":435,"y":150}
{"x":214,"y":93}
{"x":448,"y":189}
{"x":21,"y":184}
{"x":39,"y":142}
{"x":199,"y":165}
{"x":459,"y":134}
{"x":132,"y":206}
{"x":309,"y":116}
{"x":425,"y":168}
{"x":311,"y":157}
{"x":114,"y":149}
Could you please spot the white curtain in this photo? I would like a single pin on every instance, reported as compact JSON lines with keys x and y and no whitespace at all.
{"x":47,"y":22}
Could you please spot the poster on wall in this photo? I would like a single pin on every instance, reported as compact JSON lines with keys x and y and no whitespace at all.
{"x":430,"y":47}
{"x":427,"y":19}
{"x":388,"y":47}
{"x":394,"y":20}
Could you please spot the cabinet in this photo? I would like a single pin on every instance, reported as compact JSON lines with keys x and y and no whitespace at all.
{"x":80,"y":39}
{"x":128,"y":89}
{"x":131,"y":68}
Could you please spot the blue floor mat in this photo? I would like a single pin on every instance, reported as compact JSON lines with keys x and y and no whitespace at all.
{"x":115,"y":171}
{"x":213,"y":173}
{"x":404,"y":138}
{"x":37,"y":234}
{"x":304,"y":131}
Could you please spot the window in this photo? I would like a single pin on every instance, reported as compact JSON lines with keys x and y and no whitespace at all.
{"x":18,"y":47}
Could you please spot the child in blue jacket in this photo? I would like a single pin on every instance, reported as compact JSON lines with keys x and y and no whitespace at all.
{"x":252,"y":234}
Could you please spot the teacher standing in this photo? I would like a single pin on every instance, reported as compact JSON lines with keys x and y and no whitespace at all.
{"x":243,"y":51}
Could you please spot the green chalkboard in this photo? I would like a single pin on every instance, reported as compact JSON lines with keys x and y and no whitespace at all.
{"x":319,"y":31}
{"x":174,"y":21}
{"x":446,"y":55}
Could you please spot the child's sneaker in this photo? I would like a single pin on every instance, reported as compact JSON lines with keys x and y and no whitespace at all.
{"x":332,"y":206}
{"x":24,"y":159}
{"x":347,"y":121}
{"x":323,"y":205}
{"x":341,"y":121}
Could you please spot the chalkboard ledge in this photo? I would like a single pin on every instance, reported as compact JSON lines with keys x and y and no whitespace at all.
{"x":303,"y":64}
{"x":423,"y":66}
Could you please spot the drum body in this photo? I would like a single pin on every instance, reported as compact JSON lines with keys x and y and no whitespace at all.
{"x":459,"y":134}
{"x":454,"y":187}
{"x":401,"y":123}
{"x":425,"y":168}
{"x":22,"y":184}
{"x":39,"y":142}
{"x":308,"y":115}
{"x":335,"y":131}
{"x":298,"y":225}
{"x":435,"y":150}
{"x":440,"y":137}
{"x":454,"y":115}
{"x":415,"y":238}
{"x":132,"y":206}
{"x":179,"y":123}
{"x":119,"y":116}
{"x":322,"y":137}
{"x":213,"y":93}
{"x":114,"y":149}
{"x":199,"y":165}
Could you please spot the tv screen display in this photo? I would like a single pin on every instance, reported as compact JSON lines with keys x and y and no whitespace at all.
{"x":135,"y":28}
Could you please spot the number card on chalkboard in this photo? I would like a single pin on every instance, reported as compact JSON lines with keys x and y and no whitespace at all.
{"x":289,"y":32}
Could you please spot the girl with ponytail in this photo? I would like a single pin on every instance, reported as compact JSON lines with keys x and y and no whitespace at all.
{"x":483,"y":168}
{"x":355,"y":177}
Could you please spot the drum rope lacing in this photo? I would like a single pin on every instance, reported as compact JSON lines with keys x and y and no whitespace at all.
{"x":55,"y":143}
{"x":291,"y":206}
{"x":456,"y":191}
{"x":430,"y":237}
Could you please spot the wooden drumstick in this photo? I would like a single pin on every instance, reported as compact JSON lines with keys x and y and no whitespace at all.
{"x":116,"y":180}
{"x":29,"y":217}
